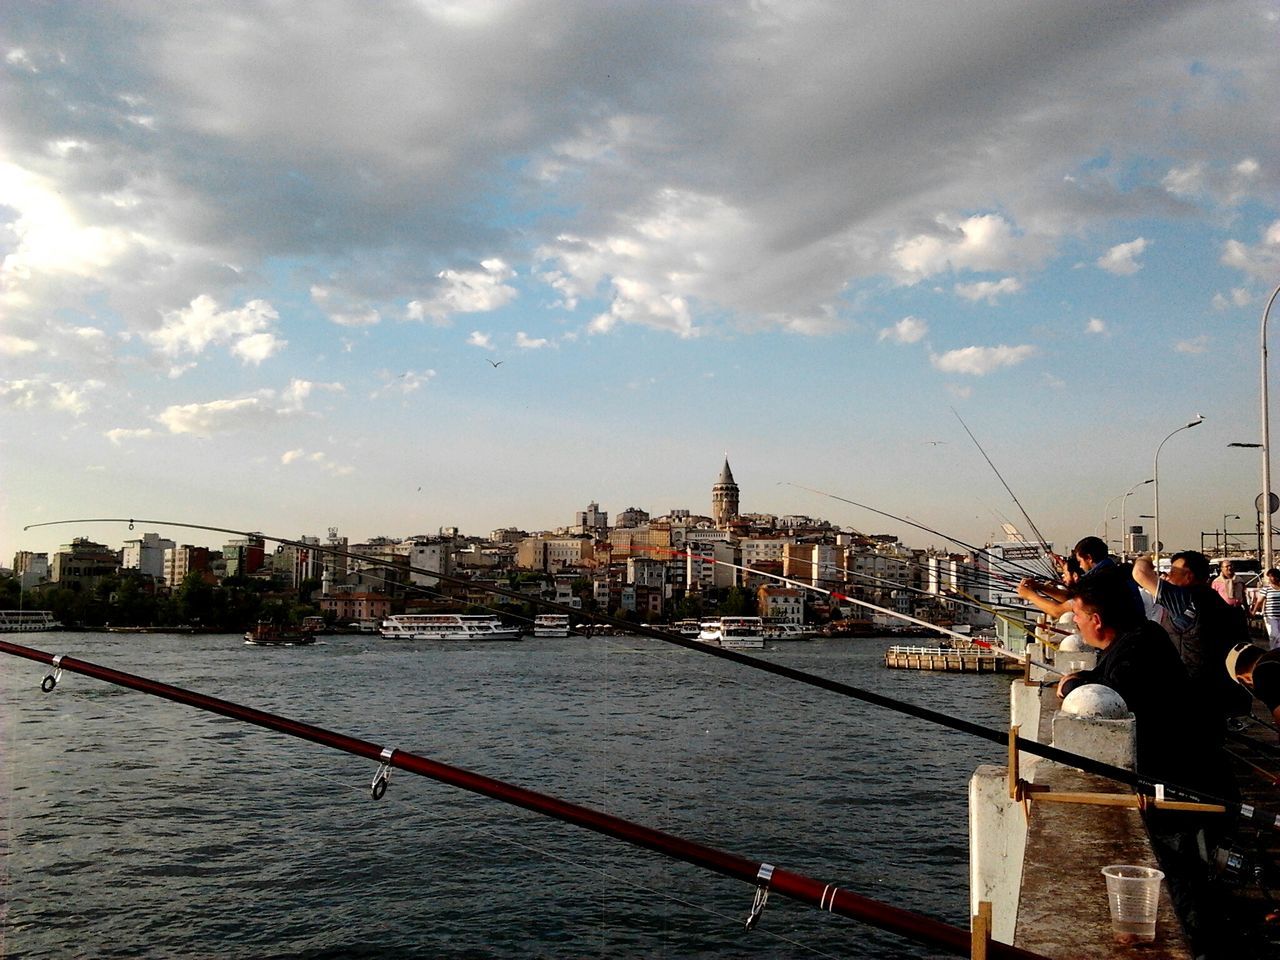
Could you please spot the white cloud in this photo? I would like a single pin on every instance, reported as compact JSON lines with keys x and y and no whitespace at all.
{"x":1096,"y":326}
{"x":16,"y":346}
{"x":1195,"y":345}
{"x":466,"y":291}
{"x":988,"y":290}
{"x":1260,"y":261}
{"x":291,"y":455}
{"x":261,"y":409}
{"x":983,"y":242}
{"x":979,"y":361}
{"x":201,"y":324}
{"x":342,"y":309}
{"x":121,"y":434}
{"x":1238,"y":297}
{"x":525,"y":342}
{"x":317,"y":459}
{"x":1121,"y":259}
{"x":40,"y":394}
{"x":906,"y":330}
{"x":410,"y":381}
{"x":481,"y":340}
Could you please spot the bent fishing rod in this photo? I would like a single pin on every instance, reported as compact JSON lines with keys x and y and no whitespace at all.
{"x":767,"y":877}
{"x":1139,"y":784}
{"x":1022,"y":569}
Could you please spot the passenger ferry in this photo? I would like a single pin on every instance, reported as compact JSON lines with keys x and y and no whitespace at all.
{"x":27,"y":621}
{"x":551,"y":625}
{"x":687,"y":628}
{"x":447,"y":626}
{"x":742,"y":633}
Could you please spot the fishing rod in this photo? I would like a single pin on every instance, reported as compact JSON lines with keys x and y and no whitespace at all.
{"x":1138,"y":783}
{"x":766,"y":877}
{"x":976,"y":550}
{"x":1043,"y":543}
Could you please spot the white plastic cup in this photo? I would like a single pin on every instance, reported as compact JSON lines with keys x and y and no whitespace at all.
{"x":1133,"y":894}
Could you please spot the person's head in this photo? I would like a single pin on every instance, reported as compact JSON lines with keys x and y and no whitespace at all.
{"x":1071,"y":571}
{"x":1104,"y":607}
{"x":1188,"y":568}
{"x":1090,"y":551}
{"x":1273,"y":577}
{"x":1227,"y":569}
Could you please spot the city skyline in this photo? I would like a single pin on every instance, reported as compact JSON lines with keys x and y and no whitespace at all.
{"x":411,"y":265}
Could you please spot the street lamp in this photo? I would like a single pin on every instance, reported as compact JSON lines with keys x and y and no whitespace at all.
{"x":1123,"y":529}
{"x":1266,"y":437}
{"x":1155,"y":477}
{"x":1225,"y":518}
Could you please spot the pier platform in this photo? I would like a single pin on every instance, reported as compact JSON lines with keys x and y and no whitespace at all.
{"x":949,"y":660}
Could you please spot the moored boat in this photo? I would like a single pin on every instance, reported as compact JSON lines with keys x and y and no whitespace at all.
{"x":709,"y":631}
{"x":687,"y":628}
{"x":27,"y":621}
{"x":447,"y":626}
{"x":742,"y":633}
{"x":551,"y":625}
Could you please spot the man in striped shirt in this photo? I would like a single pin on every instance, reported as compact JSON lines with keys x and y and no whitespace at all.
{"x":1268,"y":604}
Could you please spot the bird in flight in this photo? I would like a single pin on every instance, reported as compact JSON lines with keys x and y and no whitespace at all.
{"x":935,"y":443}
{"x":494,"y":363}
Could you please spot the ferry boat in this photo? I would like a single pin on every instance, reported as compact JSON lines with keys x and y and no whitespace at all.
{"x":742,"y":633}
{"x":27,"y":621}
{"x":687,"y":628}
{"x":709,"y":631}
{"x":551,"y":625}
{"x":787,"y":631}
{"x":446,"y":626}
{"x":266,"y":634}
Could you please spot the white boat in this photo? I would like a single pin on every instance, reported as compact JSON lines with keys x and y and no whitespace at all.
{"x":446,"y":626}
{"x":742,"y":633}
{"x":551,"y":625}
{"x":27,"y":621}
{"x":787,"y":631}
{"x":687,"y":628}
{"x":709,"y":631}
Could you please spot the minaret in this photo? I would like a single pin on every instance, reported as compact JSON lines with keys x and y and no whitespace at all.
{"x":724,"y":497}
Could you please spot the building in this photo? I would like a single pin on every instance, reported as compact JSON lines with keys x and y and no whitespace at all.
{"x":245,"y":557}
{"x":146,"y":555}
{"x":632,"y":517}
{"x":781,"y":604}
{"x":83,"y":562}
{"x":724,"y":498}
{"x":31,"y":569}
{"x":552,"y":554}
{"x":592,"y":522}
{"x":180,"y":561}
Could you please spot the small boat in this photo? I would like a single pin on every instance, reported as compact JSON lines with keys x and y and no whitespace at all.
{"x":447,"y":626}
{"x":687,"y":628}
{"x":551,"y":625}
{"x":787,"y":631}
{"x":265,"y":634}
{"x":742,"y":633}
{"x":709,"y":631}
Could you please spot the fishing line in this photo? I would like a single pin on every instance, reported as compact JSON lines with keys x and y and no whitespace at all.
{"x":1001,"y":737}
{"x":1035,"y":530}
{"x":978,"y":551}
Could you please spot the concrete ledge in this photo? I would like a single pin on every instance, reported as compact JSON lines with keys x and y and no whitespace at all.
{"x":1062,"y":909}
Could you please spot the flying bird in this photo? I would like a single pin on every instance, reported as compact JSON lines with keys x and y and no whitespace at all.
{"x":495,"y":363}
{"x":934,"y":443}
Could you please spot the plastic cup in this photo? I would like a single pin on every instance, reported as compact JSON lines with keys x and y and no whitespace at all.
{"x":1133,"y":894}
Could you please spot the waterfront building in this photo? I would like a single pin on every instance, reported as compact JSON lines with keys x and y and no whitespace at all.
{"x":146,"y":555}
{"x":817,"y":564}
{"x":433,"y":553}
{"x":724,"y":497}
{"x":246,"y":556}
{"x":647,"y":572}
{"x":703,"y":572}
{"x":180,"y":561}
{"x":348,"y":606}
{"x":592,"y":522}
{"x":83,"y":562}
{"x":652,"y":541}
{"x":30,"y":569}
{"x":555,"y":553}
{"x":781,"y":604}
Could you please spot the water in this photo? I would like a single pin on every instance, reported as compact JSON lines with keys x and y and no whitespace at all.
{"x":141,"y":828}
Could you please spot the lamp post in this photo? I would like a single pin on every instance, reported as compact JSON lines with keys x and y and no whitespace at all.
{"x":1124,"y":529}
{"x":1155,"y":477}
{"x":1225,"y":518}
{"x":1258,"y":504}
{"x":1266,"y":439}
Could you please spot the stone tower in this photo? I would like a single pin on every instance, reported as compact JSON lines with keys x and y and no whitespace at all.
{"x":724,"y":497}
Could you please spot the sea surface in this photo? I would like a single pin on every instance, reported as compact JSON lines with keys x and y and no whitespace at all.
{"x":135,"y":827}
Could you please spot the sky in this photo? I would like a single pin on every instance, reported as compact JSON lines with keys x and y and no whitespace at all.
{"x":394,"y":266}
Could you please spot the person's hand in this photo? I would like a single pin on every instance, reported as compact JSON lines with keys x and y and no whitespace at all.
{"x":1069,"y":676}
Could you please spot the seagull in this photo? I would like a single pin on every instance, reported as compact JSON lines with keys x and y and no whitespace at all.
{"x":934,"y":443}
{"x":495,"y":363}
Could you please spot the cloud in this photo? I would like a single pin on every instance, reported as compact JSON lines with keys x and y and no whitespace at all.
{"x":983,"y":242}
{"x":16,"y":346}
{"x":979,"y":361}
{"x":201,"y":324}
{"x":120,"y":434}
{"x":410,"y":381}
{"x":1097,"y":327}
{"x":466,"y":291}
{"x":482,"y":340}
{"x":1238,"y":297}
{"x":259,"y":410}
{"x":317,"y":459}
{"x":342,"y":309}
{"x":906,"y":330}
{"x":1195,"y":345}
{"x":1121,"y":259}
{"x":525,"y":342}
{"x":56,"y":396}
{"x":988,"y":290}
{"x":1260,"y":261}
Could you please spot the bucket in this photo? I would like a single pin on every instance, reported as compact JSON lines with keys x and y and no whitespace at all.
{"x":1133,"y":894}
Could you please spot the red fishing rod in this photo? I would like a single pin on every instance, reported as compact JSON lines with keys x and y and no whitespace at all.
{"x":765,"y":876}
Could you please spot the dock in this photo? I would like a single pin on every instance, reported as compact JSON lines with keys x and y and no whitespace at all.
{"x":950,"y":660}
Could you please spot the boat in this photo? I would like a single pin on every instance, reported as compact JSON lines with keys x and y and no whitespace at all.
{"x":709,"y":631}
{"x":687,"y":628}
{"x":787,"y":631}
{"x":742,"y":633}
{"x":446,"y":626}
{"x":27,"y":621}
{"x":551,"y":625}
{"x":265,"y":634}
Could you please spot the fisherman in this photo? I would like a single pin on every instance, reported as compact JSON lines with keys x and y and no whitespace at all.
{"x":1258,"y":671}
{"x":1202,"y":626}
{"x":1058,"y":610}
{"x":1174,"y":743}
{"x":1092,"y":555}
{"x":1228,"y":586}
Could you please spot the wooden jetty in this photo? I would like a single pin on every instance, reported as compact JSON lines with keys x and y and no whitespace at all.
{"x":950,"y":660}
